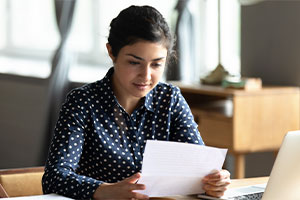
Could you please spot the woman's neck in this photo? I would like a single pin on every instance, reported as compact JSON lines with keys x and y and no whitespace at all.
{"x":129,"y":103}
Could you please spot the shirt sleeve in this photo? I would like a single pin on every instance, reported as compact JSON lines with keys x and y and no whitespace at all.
{"x":64,"y":154}
{"x":183,"y":127}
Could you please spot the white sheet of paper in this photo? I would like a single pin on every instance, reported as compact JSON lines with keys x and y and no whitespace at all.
{"x":174,"y":168}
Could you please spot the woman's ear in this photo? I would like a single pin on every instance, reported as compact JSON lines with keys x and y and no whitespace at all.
{"x":109,"y":51}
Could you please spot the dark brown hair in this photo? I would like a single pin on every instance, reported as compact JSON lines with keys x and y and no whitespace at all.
{"x":137,"y":23}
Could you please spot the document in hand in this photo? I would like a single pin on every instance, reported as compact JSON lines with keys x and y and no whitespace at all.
{"x":174,"y":168}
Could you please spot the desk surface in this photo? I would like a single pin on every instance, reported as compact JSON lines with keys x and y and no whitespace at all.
{"x":234,"y":183}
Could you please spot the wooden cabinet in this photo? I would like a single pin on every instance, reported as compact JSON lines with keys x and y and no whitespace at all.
{"x":243,"y":121}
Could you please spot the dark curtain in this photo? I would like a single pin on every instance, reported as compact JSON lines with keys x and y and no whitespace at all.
{"x":184,"y":46}
{"x":61,"y":61}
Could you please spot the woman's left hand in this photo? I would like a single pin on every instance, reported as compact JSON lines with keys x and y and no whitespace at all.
{"x":216,"y":184}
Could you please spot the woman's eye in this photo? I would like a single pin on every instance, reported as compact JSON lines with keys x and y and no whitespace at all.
{"x":133,"y":63}
{"x":156,"y":64}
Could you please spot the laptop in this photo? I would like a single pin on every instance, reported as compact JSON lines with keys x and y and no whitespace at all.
{"x":284,"y":181}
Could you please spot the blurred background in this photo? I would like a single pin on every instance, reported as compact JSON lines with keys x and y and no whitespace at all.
{"x":48,"y":47}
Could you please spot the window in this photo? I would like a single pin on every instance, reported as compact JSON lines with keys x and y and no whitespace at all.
{"x":229,"y":34}
{"x":29,"y":35}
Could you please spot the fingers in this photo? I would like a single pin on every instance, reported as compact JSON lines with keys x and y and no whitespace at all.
{"x":222,"y":174}
{"x":136,"y":187}
{"x":128,"y":191}
{"x":220,"y":183}
{"x":121,"y":190}
{"x":218,"y":179}
{"x":133,"y":179}
{"x":219,"y":186}
{"x":215,"y":184}
{"x":136,"y":195}
{"x":131,"y":184}
{"x":216,"y":191}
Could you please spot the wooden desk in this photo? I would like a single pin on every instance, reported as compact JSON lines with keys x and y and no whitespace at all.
{"x":235,"y":183}
{"x":243,"y":121}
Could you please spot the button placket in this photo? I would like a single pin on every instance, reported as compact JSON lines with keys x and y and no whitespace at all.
{"x":134,"y":139}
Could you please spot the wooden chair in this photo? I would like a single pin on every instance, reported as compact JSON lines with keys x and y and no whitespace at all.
{"x":21,"y":182}
{"x":3,"y":193}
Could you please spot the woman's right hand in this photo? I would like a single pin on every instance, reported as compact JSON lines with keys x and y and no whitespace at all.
{"x":121,"y":190}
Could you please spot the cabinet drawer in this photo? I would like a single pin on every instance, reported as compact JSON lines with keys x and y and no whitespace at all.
{"x":216,"y":130}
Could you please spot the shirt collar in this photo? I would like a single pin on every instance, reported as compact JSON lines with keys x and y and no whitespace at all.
{"x":110,"y":99}
{"x":149,"y":101}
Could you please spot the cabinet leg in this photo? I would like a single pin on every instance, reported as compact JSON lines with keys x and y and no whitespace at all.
{"x":239,"y":165}
{"x":275,"y":153}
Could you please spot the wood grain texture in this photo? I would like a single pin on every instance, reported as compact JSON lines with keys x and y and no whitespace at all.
{"x":22,"y":181}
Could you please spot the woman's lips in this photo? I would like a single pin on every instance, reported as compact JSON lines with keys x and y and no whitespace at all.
{"x":141,"y":86}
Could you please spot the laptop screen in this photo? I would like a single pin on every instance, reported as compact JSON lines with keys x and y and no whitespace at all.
{"x":284,"y":181}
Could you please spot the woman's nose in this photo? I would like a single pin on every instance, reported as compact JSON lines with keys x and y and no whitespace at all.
{"x":146,"y":72}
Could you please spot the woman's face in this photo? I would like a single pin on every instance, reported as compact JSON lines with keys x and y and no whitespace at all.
{"x":137,"y":69}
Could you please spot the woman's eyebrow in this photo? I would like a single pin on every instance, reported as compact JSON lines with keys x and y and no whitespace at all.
{"x":139,"y":58}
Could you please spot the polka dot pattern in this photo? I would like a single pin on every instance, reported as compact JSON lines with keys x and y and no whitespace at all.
{"x":96,"y":141}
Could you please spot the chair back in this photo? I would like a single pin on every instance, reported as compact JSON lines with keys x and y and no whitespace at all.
{"x":21,"y":182}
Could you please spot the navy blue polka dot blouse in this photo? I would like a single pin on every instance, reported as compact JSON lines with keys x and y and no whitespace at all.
{"x":96,"y":141}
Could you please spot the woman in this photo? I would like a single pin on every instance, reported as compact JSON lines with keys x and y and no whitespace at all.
{"x":99,"y":140}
